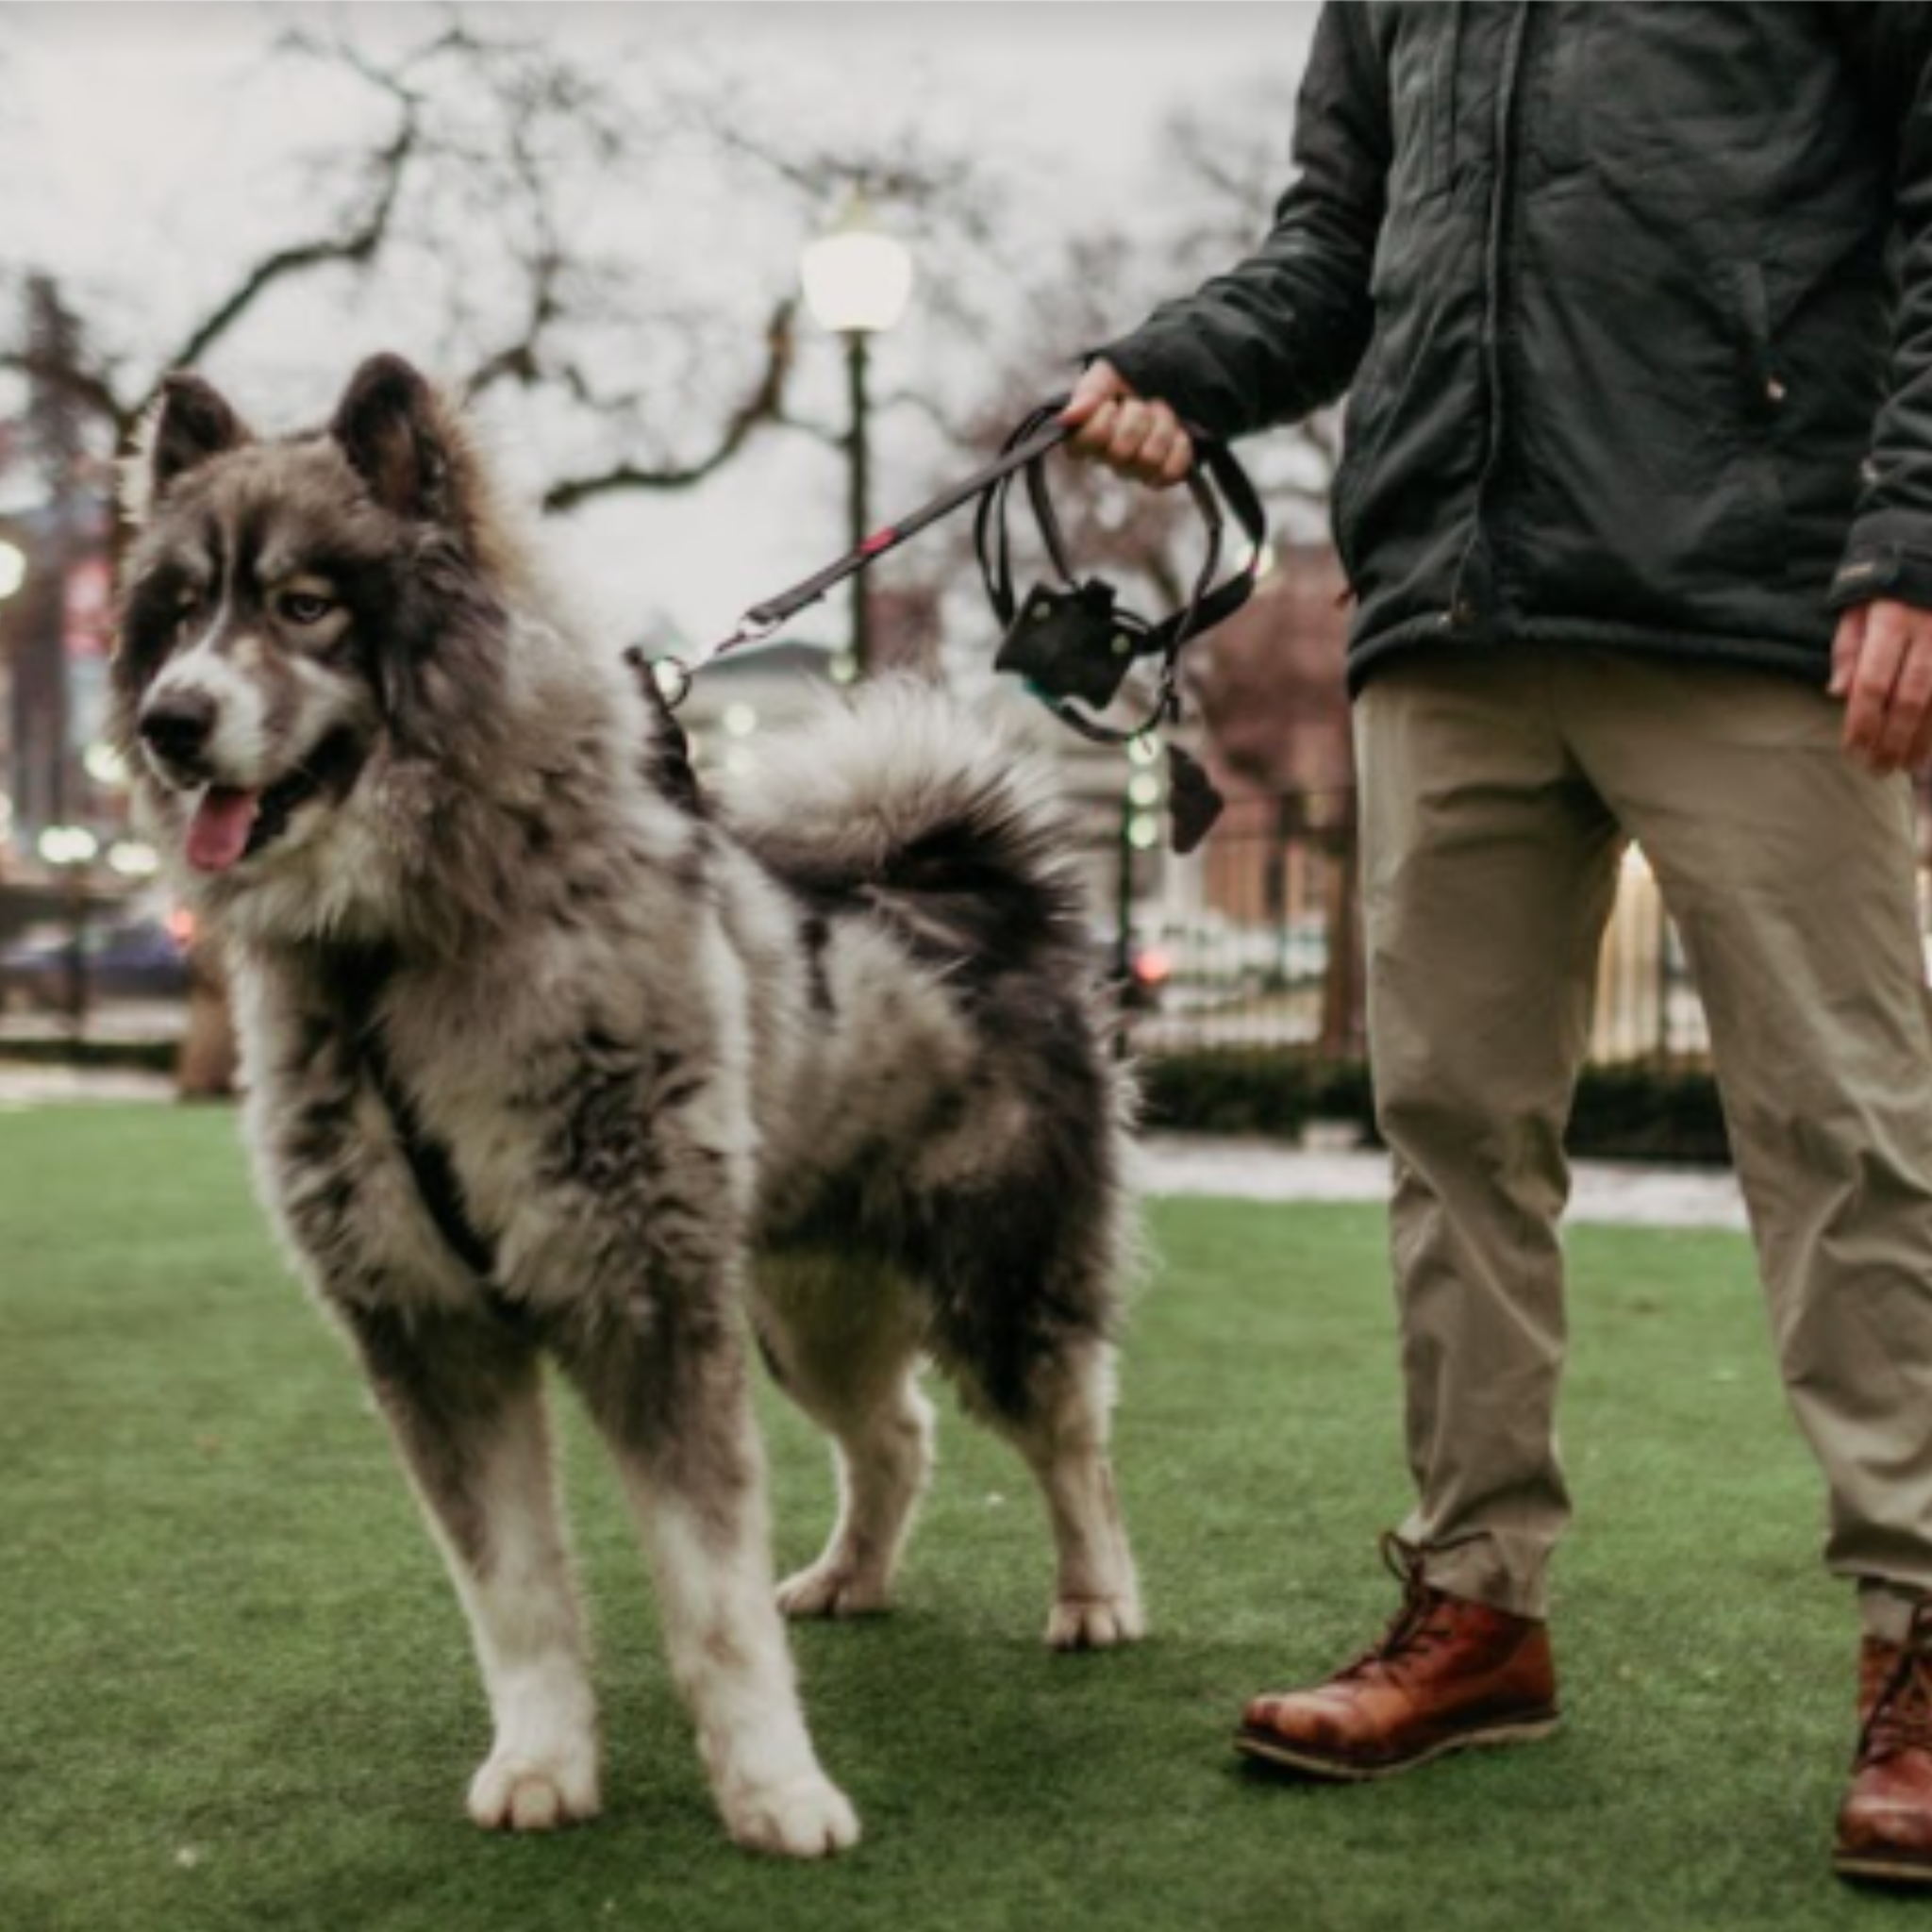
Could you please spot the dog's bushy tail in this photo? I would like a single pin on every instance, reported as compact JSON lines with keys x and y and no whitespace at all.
{"x":913,"y":802}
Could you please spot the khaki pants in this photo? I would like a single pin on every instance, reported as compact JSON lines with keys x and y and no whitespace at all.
{"x":1497,"y":796}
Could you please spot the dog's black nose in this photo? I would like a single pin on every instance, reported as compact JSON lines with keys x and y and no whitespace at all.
{"x":178,"y":725}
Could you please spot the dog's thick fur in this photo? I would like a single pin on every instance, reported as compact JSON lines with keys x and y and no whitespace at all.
{"x":827,"y":1052}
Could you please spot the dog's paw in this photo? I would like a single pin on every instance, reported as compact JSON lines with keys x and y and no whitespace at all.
{"x":1101,"y":1622}
{"x":802,"y":1818}
{"x":833,"y":1588}
{"x":520,"y":1792}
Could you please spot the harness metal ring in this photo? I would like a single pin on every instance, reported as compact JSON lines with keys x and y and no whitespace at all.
{"x":674,"y":677}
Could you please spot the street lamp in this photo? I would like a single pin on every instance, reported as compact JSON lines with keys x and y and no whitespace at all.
{"x":857,"y":282}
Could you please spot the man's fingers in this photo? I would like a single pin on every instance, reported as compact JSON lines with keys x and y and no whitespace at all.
{"x":1167,"y":454}
{"x":1156,"y":446}
{"x":1131,"y":428}
{"x":1092,"y":441}
{"x":1911,"y":699}
{"x":1141,"y":437}
{"x":1100,"y":383}
{"x":1870,"y":696}
{"x":1845,"y":645}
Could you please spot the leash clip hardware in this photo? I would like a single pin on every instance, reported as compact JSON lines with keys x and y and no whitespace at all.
{"x":676,"y":676}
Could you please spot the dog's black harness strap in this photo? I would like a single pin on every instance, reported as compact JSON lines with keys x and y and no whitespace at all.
{"x":428,"y":1162}
{"x":671,"y":766}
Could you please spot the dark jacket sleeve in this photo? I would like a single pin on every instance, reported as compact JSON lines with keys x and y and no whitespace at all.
{"x":1889,"y":552}
{"x":1283,"y":333}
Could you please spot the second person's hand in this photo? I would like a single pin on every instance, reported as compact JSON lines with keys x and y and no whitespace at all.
{"x":1138,"y":436}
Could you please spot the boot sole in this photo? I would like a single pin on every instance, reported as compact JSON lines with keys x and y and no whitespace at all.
{"x":1270,"y":1749}
{"x":1885,"y":1868}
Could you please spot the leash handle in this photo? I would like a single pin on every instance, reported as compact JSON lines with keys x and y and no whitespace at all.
{"x":1207,"y":602}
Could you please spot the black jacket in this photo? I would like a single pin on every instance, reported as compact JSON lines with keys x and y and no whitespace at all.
{"x":1634,"y":304}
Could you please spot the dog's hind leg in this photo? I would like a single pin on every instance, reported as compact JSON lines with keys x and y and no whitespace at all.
{"x":1024,"y":1301}
{"x":674,"y":1402}
{"x":843,"y":1343}
{"x":464,"y":1402}
{"x":1062,"y":1432}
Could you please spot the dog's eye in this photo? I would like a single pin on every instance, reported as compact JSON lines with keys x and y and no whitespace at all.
{"x":305,"y":606}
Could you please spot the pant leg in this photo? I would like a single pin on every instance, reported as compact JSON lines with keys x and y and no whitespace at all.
{"x":1791,"y":876}
{"x":1489,"y":868}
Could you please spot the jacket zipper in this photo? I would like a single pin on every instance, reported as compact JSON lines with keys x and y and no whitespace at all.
{"x":1462,"y":612}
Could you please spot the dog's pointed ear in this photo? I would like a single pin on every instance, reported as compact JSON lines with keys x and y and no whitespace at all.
{"x":189,"y":423}
{"x":396,"y":434}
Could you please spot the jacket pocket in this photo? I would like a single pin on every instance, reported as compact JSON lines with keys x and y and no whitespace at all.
{"x":1365,"y":425}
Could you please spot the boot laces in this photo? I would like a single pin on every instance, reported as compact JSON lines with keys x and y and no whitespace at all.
{"x":1416,"y":1628}
{"x":1901,"y":1715}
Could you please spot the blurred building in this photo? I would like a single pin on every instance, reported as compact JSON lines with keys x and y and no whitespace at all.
{"x":57,"y":777}
{"x":55,"y":768}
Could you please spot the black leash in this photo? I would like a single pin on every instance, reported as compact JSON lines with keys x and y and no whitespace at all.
{"x":1076,"y":641}
{"x":1072,"y":642}
{"x":762,"y":620}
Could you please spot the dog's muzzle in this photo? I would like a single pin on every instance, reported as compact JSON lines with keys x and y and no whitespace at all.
{"x":231,"y":823}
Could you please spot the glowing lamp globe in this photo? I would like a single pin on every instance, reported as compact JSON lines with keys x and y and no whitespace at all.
{"x":856,"y":280}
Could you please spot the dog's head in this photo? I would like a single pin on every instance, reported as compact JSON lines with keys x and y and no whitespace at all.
{"x":282,"y":603}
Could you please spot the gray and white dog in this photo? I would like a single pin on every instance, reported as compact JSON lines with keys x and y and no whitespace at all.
{"x":545,"y":1055}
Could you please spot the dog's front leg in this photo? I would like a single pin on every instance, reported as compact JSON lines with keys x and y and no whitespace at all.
{"x":671,"y":1395}
{"x":463,"y":1399}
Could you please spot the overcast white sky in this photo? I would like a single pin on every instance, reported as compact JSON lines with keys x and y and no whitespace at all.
{"x":133,"y":117}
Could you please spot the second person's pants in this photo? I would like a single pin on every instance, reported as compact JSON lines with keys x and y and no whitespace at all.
{"x":1498,"y":795}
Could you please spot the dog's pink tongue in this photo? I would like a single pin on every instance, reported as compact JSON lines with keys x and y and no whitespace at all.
{"x":218,"y":835}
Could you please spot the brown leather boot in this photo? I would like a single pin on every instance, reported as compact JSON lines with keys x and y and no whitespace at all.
{"x":1885,"y":1823}
{"x":1447,"y":1674}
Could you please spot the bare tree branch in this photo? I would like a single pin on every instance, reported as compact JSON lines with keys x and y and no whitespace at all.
{"x":359,"y":247}
{"x":482,"y":173}
{"x":91,"y":388}
{"x":522,"y":361}
{"x":763,"y":405}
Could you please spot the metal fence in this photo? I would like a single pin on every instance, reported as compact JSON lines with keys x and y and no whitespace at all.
{"x":1256,"y":945}
{"x":1251,"y":944}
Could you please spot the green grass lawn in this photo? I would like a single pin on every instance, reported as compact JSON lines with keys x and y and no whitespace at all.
{"x":235,"y":1690}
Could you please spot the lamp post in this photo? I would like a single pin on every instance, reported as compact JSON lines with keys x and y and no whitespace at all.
{"x":856,"y":280}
